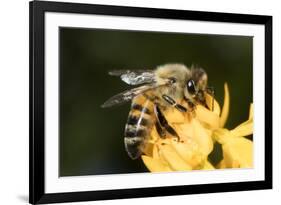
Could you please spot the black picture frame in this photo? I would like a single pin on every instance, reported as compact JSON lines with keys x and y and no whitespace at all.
{"x":37,"y":194}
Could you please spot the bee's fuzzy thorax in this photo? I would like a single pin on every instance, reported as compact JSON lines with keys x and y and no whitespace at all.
{"x":177,"y":71}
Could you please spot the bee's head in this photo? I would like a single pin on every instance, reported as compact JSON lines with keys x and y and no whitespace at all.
{"x":175,"y":76}
{"x":197,"y":81}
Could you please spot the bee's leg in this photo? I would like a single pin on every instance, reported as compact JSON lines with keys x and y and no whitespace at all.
{"x":160,"y":130}
{"x":211,"y":91}
{"x":172,"y":102}
{"x":164,"y":123}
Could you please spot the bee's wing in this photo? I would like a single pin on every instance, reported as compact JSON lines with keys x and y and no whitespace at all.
{"x":135,"y":77}
{"x":128,"y":95}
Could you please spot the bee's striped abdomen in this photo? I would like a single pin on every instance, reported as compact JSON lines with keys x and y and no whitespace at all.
{"x":138,"y":126}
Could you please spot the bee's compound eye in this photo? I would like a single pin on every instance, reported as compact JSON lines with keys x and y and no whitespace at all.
{"x":191,"y":87}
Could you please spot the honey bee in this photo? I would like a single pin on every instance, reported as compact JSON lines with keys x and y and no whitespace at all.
{"x":157,"y":90}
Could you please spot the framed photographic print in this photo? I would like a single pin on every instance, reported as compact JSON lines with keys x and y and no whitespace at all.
{"x":140,"y":102}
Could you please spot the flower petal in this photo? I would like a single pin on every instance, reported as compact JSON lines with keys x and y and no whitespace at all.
{"x":251,"y":111}
{"x":208,"y":166}
{"x":243,"y":130}
{"x":174,"y":116}
{"x":221,"y":135}
{"x":175,"y":162}
{"x":225,"y":108}
{"x":221,"y":165}
{"x":250,"y":119}
{"x":190,"y":153}
{"x":246,"y":128}
{"x":209,"y":118}
{"x":238,"y":153}
{"x":196,"y":132}
{"x":155,"y":165}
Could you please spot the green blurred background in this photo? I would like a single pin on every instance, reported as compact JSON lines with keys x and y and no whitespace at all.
{"x":91,"y":138}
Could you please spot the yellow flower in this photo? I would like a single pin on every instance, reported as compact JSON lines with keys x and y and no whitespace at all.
{"x":196,"y":131}
{"x":237,"y":150}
